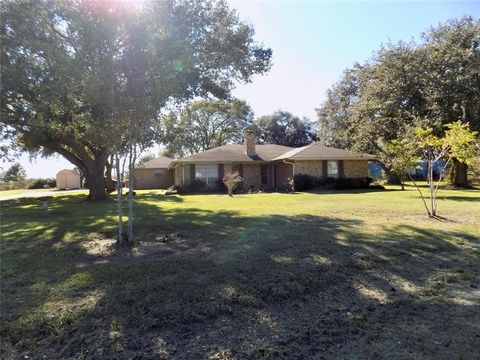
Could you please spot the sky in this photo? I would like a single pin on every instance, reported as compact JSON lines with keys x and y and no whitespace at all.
{"x":312,"y":43}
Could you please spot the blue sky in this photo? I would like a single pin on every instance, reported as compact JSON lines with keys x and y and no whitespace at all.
{"x":312,"y":43}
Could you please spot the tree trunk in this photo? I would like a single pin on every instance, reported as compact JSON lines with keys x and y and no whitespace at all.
{"x":92,"y":167}
{"x":392,"y":178}
{"x":433,"y":200}
{"x":96,"y":183}
{"x":120,"y":239}
{"x":108,"y":174}
{"x":451,"y":175}
{"x":131,"y":180}
{"x":461,"y":178}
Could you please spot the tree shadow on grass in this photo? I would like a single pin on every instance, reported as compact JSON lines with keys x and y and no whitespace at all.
{"x":158,"y":197}
{"x":283,"y":287}
{"x":349,"y":191}
{"x":458,"y":198}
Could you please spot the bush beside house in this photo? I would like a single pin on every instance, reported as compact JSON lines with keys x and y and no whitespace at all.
{"x":303,"y":182}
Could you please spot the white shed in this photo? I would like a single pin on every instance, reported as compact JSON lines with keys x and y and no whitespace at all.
{"x":68,"y":179}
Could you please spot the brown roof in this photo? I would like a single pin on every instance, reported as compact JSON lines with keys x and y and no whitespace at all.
{"x":315,"y":151}
{"x":236,"y":153}
{"x":157,"y":163}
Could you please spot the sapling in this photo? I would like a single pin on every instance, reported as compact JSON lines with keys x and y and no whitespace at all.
{"x":458,"y":142}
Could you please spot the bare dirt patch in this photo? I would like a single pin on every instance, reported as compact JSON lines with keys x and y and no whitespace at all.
{"x":150,"y":246}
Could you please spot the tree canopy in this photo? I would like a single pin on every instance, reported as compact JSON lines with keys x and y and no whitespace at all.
{"x":16,"y":172}
{"x":284,"y":128}
{"x":421,"y":144}
{"x":147,"y":157}
{"x":425,"y":84}
{"x":203,"y":125}
{"x":75,"y":73}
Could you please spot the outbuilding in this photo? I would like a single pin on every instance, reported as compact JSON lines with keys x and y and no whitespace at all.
{"x":154,"y":174}
{"x":68,"y":179}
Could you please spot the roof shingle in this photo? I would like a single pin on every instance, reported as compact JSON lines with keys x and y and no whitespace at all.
{"x":236,"y":153}
{"x":315,"y":151}
{"x":159,"y":162}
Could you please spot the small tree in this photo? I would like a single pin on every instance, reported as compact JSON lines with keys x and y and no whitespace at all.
{"x":459,"y":142}
{"x":16,"y":172}
{"x":402,"y":159}
{"x":231,"y":180}
{"x":125,"y":160}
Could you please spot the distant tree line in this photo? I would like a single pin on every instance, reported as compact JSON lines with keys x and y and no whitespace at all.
{"x":15,"y":172}
{"x":204,"y":124}
{"x":15,"y":177}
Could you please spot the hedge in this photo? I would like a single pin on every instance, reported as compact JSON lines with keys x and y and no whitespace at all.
{"x":304,"y":182}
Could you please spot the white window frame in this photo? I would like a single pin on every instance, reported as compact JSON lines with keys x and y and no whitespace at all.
{"x":208,"y":173}
{"x":334,"y":164}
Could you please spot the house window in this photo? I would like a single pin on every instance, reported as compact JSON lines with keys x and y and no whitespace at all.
{"x":332,"y":169}
{"x":208,"y":174}
{"x":264,"y":175}
{"x":158,"y":173}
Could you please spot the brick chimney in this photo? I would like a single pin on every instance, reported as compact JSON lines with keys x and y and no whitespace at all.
{"x":250,"y":143}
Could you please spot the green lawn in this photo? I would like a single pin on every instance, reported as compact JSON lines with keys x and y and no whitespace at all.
{"x":327,"y":275}
{"x":22,"y":191}
{"x":11,"y":192}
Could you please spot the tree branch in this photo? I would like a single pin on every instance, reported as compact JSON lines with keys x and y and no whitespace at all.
{"x":67,"y":155}
{"x":421,"y":195}
{"x":79,"y":149}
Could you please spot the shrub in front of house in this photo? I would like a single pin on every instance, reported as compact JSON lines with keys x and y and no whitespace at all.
{"x":232,"y":180}
{"x":172,"y":190}
{"x":303,"y":182}
{"x":196,"y":186}
{"x":352,"y":183}
{"x":221,"y":186}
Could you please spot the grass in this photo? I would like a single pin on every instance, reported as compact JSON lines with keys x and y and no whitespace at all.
{"x":22,"y":191}
{"x":323,"y":275}
{"x":11,"y":192}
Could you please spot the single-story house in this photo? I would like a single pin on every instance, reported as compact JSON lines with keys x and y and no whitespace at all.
{"x":153,"y":174}
{"x":268,"y":167}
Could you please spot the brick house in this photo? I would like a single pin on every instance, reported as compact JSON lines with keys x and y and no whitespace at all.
{"x":268,"y":167}
{"x":154,"y":174}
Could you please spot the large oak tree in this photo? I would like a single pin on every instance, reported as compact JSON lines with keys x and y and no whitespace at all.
{"x":204,"y":124}
{"x":284,"y":128}
{"x":75,"y":73}
{"x":425,"y":84}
